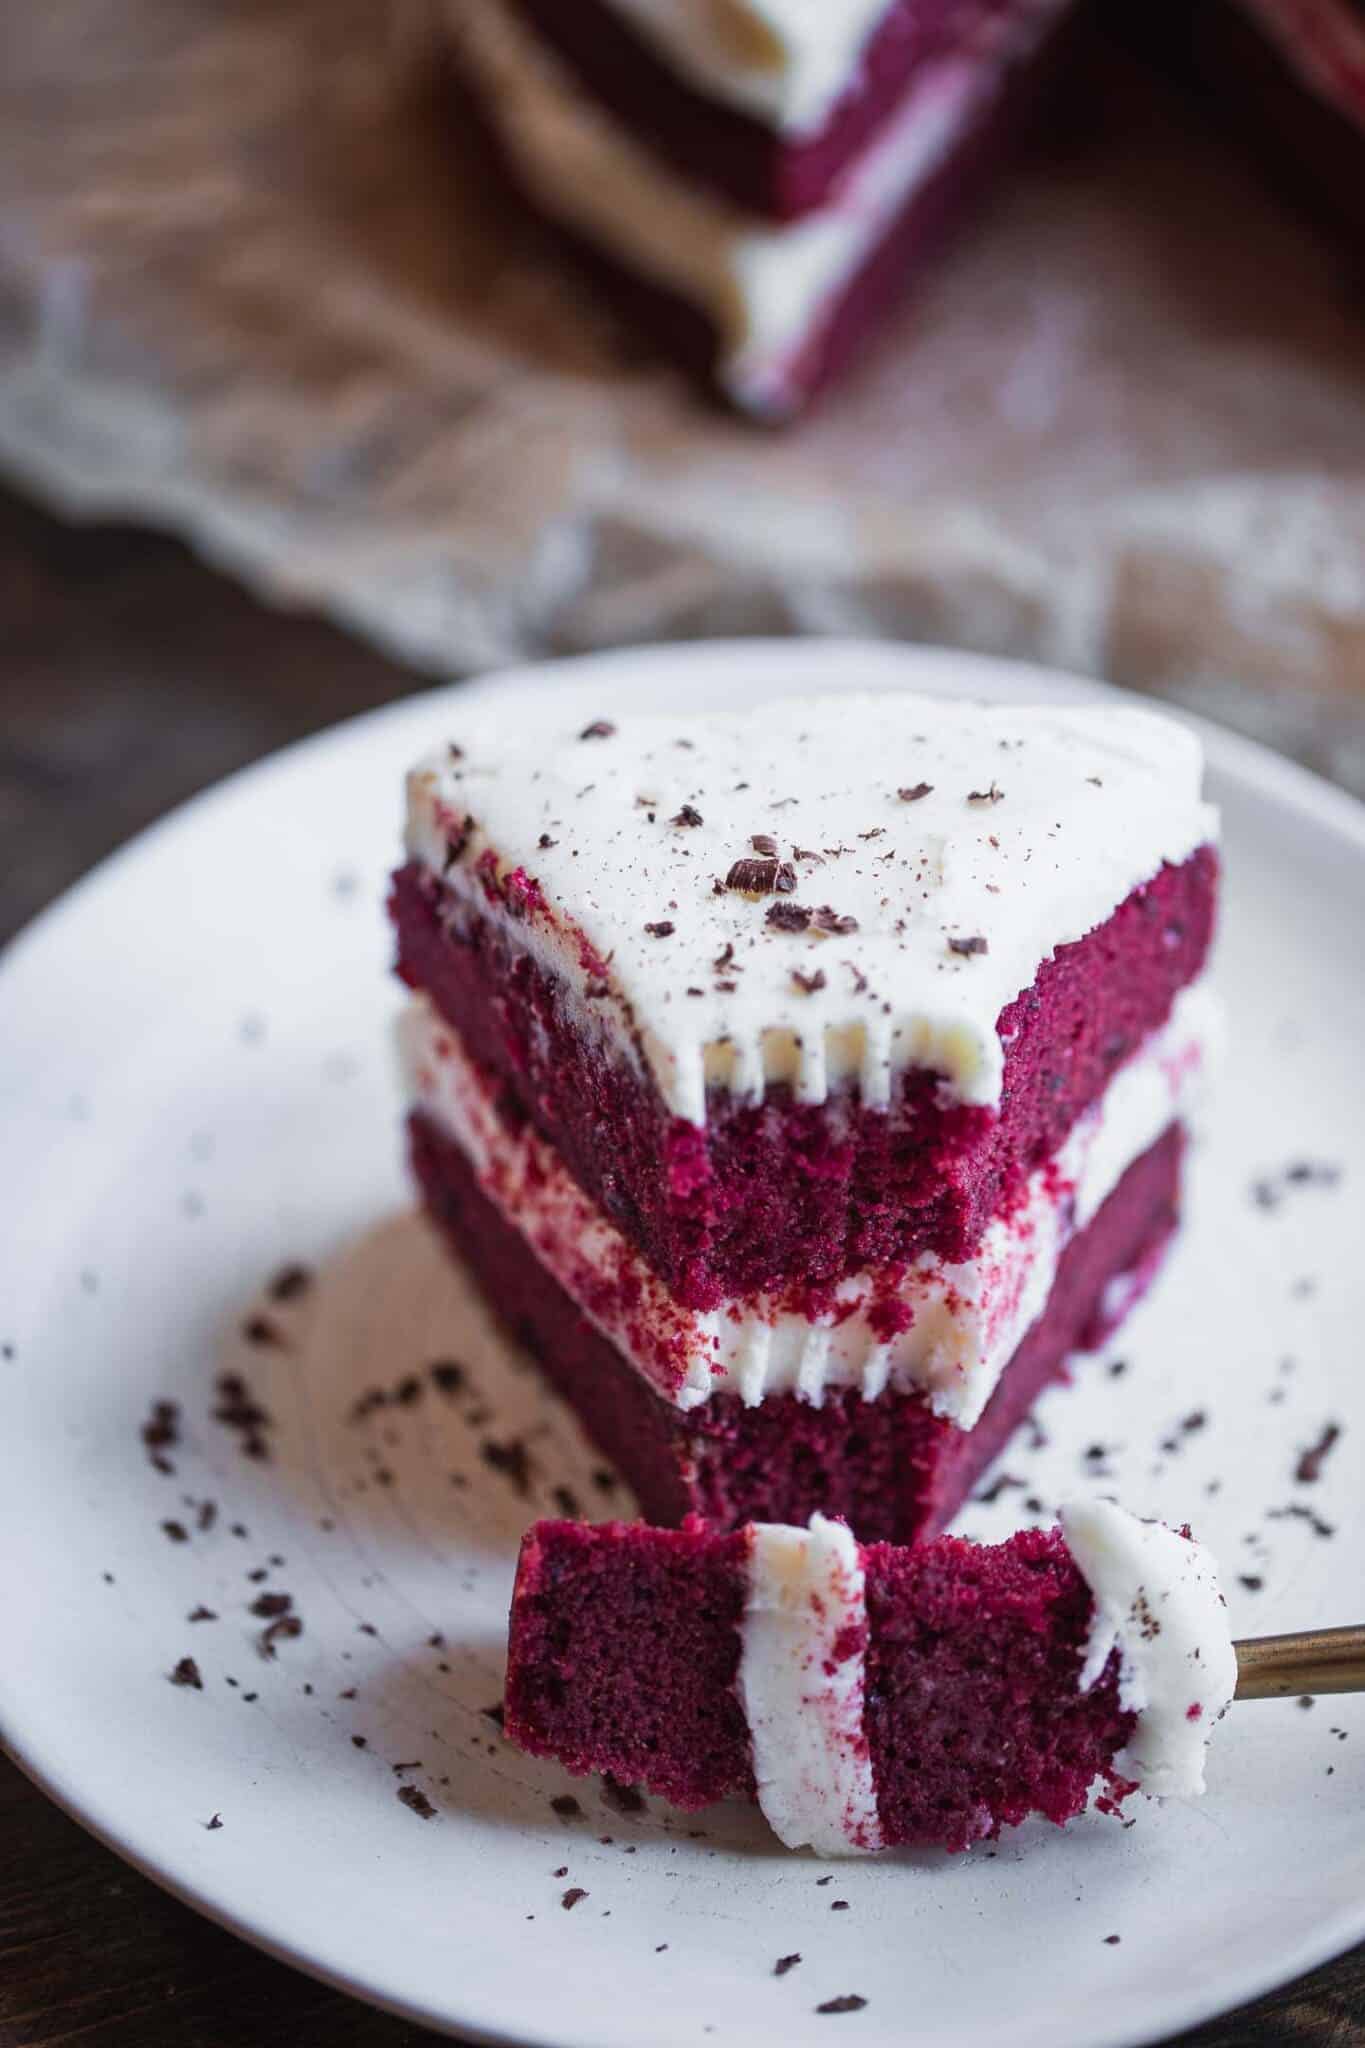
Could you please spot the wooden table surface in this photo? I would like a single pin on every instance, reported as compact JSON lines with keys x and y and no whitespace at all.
{"x":130,"y":677}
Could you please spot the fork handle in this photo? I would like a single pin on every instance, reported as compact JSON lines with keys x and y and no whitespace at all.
{"x":1318,"y":1660}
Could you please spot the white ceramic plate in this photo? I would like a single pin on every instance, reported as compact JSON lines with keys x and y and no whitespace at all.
{"x":195,"y":1091}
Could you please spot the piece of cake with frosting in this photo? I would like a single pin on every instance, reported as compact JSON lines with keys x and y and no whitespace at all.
{"x":756,"y":178}
{"x":869,"y":1696}
{"x":806,"y":1083}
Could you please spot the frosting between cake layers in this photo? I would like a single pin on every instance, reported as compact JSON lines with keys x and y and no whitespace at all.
{"x":929,"y":856}
{"x":763,"y":286}
{"x":1157,"y":1599}
{"x":786,"y":61}
{"x":963,"y":1320}
{"x":800,"y":1683}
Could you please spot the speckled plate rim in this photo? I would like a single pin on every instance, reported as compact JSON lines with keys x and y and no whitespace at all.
{"x":1312,"y":802}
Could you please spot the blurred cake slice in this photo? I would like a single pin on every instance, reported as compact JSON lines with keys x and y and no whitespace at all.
{"x":756,"y":182}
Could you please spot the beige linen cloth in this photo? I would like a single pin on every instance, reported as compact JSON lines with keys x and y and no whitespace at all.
{"x":255,"y":286}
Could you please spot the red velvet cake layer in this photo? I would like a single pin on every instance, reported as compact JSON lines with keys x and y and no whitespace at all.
{"x":890,"y":1467}
{"x":625,"y":1643}
{"x":763,"y":172}
{"x":624,"y":1654}
{"x":785,"y":1196}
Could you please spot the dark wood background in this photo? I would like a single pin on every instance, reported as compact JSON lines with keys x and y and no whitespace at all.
{"x":129,"y":678}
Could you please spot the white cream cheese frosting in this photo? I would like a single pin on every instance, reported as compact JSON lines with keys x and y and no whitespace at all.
{"x":801,"y":1686}
{"x":965,"y":1318}
{"x":1157,"y":1599}
{"x":763,"y":285}
{"x":929,"y":855}
{"x":786,"y":61}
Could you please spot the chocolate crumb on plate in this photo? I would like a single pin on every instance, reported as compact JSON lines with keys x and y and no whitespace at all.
{"x":850,"y":2002}
{"x":416,"y":1801}
{"x":202,"y":1613}
{"x":600,"y":729}
{"x":1112,"y":1940}
{"x":917,"y":790}
{"x":968,"y":948}
{"x":572,"y":1897}
{"x":186,"y":1672}
{"x":1309,"y":1468}
{"x":289,"y":1283}
{"x":785,"y":1963}
{"x":213,"y":1823}
{"x":622,"y":1798}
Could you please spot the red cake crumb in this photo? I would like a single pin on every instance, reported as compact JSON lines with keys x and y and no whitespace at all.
{"x":625,"y":1644}
{"x":764,"y":1196}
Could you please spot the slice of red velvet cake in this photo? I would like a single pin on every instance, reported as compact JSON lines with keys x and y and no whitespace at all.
{"x":758,"y":179}
{"x":806,"y":1083}
{"x":872,"y":1696}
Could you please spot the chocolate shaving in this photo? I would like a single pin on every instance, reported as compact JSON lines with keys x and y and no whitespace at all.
{"x":764,"y":843}
{"x":785,"y":1963}
{"x":186,"y":1672}
{"x":809,"y":984}
{"x":267,"y":1605}
{"x":285,"y":1629}
{"x":912,"y":796}
{"x":416,"y":1801}
{"x":724,"y":961}
{"x":663,"y":929}
{"x":688,"y":815}
{"x":572,"y":1897}
{"x":545,"y":842}
{"x":788,"y":917}
{"x":289,"y":1283}
{"x":761,"y":877}
{"x":1309,"y":1468}
{"x":849,"y":2003}
{"x":827,"y":919}
{"x":992,"y":795}
{"x":600,"y":729}
{"x":456,"y":844}
{"x":967,"y":949}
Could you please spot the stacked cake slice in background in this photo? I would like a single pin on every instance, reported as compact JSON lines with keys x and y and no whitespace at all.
{"x":755,"y":178}
{"x":806,"y":1084}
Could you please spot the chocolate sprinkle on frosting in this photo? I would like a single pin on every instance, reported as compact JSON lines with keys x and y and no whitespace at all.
{"x":788,"y":917}
{"x":600,"y":729}
{"x":913,"y":795}
{"x":785,"y":1963}
{"x":572,"y":1897}
{"x":967,"y":949}
{"x":186,"y":1672}
{"x":809,"y":984}
{"x":688,"y":815}
{"x":993,"y":795}
{"x":663,"y":929}
{"x":764,"y":843}
{"x":761,"y":877}
{"x":849,"y":2003}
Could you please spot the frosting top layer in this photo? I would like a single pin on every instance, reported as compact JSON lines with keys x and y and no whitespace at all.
{"x":807,"y":890}
{"x":786,"y":61}
{"x":1156,"y":1598}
